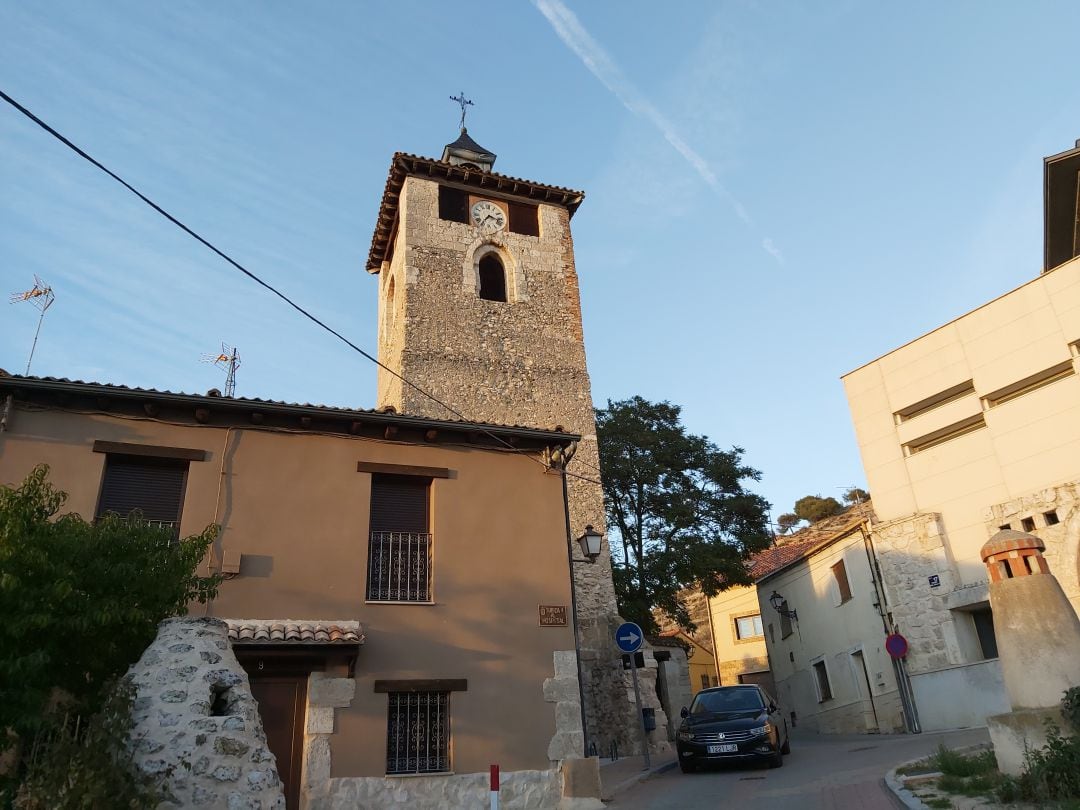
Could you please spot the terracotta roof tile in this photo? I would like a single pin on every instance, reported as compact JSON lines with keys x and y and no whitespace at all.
{"x":8,"y":379}
{"x":803,"y":543}
{"x":404,"y":164}
{"x":291,"y":631}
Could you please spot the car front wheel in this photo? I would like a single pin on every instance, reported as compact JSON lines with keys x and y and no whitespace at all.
{"x":687,"y":767}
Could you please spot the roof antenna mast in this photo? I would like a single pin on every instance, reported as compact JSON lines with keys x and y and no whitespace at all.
{"x":41,"y":296}
{"x":228,"y":360}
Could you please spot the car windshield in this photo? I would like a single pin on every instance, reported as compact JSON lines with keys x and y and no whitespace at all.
{"x":726,"y":700}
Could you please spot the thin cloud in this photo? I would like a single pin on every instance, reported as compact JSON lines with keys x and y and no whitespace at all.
{"x":573,"y":34}
{"x":772,"y":249}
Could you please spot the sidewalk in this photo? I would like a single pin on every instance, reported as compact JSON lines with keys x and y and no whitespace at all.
{"x":616,"y":776}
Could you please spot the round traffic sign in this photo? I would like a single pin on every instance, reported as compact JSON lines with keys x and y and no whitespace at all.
{"x":896,"y":645}
{"x":629,"y":637}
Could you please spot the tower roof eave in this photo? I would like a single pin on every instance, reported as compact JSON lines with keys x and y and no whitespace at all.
{"x":404,"y":165}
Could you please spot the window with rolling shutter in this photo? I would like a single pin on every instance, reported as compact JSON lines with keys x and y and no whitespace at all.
{"x":399,"y":552}
{"x":152,"y":486}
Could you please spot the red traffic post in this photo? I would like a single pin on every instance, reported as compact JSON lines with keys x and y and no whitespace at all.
{"x":494,"y":787}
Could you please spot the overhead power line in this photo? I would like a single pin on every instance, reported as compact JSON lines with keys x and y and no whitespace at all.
{"x":321,"y":324}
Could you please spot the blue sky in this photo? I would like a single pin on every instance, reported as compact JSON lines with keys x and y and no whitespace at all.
{"x":776,"y":193}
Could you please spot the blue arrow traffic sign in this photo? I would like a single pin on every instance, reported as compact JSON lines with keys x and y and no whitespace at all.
{"x":629,"y":637}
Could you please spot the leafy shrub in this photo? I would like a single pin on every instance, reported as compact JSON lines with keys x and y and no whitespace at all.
{"x":952,"y":763}
{"x":1051,"y":773}
{"x":84,"y":766}
{"x":80,"y":602}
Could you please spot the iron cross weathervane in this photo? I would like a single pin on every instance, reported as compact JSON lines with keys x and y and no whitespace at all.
{"x":464,"y":102}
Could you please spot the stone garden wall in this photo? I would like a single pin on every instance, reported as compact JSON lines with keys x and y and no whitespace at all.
{"x":196,"y":725}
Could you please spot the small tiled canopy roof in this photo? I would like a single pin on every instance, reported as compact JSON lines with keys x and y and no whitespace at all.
{"x":287,"y":631}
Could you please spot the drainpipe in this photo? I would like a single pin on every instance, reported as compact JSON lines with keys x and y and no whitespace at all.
{"x":903,"y":683}
{"x":715,"y":646}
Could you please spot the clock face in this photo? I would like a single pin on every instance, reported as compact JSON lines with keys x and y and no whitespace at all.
{"x":487,"y":216}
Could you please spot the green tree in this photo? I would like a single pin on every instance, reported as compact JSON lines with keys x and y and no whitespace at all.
{"x":80,"y":601}
{"x":678,"y":507}
{"x":787,"y":521}
{"x":856,"y":496}
{"x":813,"y":508}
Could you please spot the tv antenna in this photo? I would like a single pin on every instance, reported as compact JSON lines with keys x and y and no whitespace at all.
{"x":41,"y":296}
{"x":228,"y":360}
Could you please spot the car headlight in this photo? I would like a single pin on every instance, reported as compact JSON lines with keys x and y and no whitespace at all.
{"x":761,"y":730}
{"x":686,"y":736}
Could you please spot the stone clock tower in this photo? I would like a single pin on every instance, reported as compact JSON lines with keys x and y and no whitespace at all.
{"x":479,"y":306}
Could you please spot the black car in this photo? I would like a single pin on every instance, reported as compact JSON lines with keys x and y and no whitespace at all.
{"x":732,"y":723}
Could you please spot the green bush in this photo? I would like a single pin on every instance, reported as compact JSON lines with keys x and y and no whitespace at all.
{"x":80,"y":602}
{"x":952,"y":763}
{"x":77,"y":766}
{"x":1051,"y":773}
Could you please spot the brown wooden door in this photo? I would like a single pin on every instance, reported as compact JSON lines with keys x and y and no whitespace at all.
{"x":282,"y":699}
{"x":762,"y":679}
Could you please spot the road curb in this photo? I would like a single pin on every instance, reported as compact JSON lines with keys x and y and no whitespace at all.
{"x":896,"y":784}
{"x":609,"y":793}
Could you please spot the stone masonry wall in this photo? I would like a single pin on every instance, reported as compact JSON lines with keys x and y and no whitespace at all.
{"x":1062,"y":539}
{"x":911,"y":550}
{"x":519,"y":790}
{"x":519,"y":362}
{"x":196,"y":725}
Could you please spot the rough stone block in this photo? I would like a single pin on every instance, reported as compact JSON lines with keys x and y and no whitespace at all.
{"x":581,"y":778}
{"x":567,"y":716}
{"x":565,"y":664}
{"x":335,"y":692}
{"x":566,"y":745}
{"x":317,"y":760}
{"x":561,"y":690}
{"x":320,"y":720}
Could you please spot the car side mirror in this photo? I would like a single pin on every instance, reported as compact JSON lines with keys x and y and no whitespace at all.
{"x":685,"y":712}
{"x":773,"y":707}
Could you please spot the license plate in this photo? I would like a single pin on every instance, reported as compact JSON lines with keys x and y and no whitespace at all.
{"x":723,"y":749}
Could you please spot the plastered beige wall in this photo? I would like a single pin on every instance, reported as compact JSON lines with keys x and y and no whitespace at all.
{"x":295,"y":506}
{"x":831,"y":632}
{"x":1029,"y":443}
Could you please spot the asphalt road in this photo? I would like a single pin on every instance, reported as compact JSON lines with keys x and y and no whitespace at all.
{"x":823,"y":772}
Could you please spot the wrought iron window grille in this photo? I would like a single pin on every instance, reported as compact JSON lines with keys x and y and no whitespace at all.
{"x":418,"y":733}
{"x":399,"y":567}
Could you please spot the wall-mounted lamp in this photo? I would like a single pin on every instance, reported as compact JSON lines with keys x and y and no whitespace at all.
{"x":590,"y":543}
{"x":779,"y":604}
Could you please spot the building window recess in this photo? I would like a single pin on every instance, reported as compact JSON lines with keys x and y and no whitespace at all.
{"x":151,"y":489}
{"x":748,"y":627}
{"x":399,"y":553}
{"x":454,"y":204}
{"x":418,"y":733}
{"x":1029,"y":384}
{"x":492,"y":278}
{"x":948,"y":433}
{"x":843,"y":587}
{"x":984,"y":631}
{"x":936,"y":401}
{"x":821,"y":679}
{"x":1051,"y":517}
{"x":785,"y":620}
